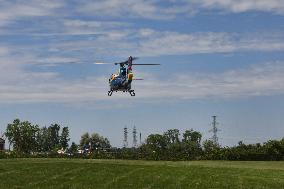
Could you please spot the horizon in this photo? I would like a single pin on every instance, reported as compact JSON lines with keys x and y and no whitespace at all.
{"x":217,"y":58}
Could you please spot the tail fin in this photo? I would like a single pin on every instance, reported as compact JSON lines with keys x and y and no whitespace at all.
{"x":130,"y":59}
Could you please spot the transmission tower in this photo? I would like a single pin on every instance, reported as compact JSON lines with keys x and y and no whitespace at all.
{"x":125,"y":143}
{"x":134,"y":137}
{"x":215,"y":130}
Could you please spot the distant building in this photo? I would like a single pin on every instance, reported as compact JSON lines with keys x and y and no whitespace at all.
{"x":61,"y":151}
{"x":2,"y":144}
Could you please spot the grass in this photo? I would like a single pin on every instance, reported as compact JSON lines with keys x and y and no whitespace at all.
{"x":76,"y":173}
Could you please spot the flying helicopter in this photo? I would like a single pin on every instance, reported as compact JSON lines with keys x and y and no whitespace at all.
{"x":122,"y":80}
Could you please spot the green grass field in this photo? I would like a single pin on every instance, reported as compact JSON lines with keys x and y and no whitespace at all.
{"x":75,"y":173}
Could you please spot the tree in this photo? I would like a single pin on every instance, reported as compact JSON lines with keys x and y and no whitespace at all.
{"x":13,"y":133}
{"x":191,"y":144}
{"x":193,"y":136}
{"x":172,"y":136}
{"x":274,"y":149}
{"x":54,"y":136}
{"x":85,"y":141}
{"x":23,"y":136}
{"x":43,"y":140}
{"x":64,"y":138}
{"x":73,"y":148}
{"x":99,"y":142}
{"x":94,"y":142}
{"x":155,"y":147}
{"x":210,"y":150}
{"x":156,"y":142}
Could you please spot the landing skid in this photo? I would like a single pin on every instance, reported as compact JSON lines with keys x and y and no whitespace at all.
{"x":131,"y":92}
{"x":109,"y":93}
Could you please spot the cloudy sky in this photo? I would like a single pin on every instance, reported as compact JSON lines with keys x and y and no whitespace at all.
{"x":219,"y":57}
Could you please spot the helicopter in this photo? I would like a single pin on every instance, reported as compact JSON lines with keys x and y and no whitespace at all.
{"x":122,"y":80}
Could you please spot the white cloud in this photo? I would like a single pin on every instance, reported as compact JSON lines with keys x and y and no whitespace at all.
{"x":14,"y":10}
{"x":3,"y":51}
{"x":82,"y":27}
{"x":259,"y":80}
{"x":171,"y":43}
{"x":11,"y":11}
{"x":170,"y":9}
{"x":13,"y":69}
{"x":121,"y":39}
{"x":127,"y":8}
{"x":19,"y":85}
{"x":53,"y":61}
{"x":275,"y":6}
{"x":53,"y":90}
{"x":148,"y":42}
{"x":21,"y":81}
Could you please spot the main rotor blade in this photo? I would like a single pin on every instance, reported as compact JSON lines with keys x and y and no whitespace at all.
{"x":100,"y":63}
{"x":126,"y":61}
{"x":146,"y":64}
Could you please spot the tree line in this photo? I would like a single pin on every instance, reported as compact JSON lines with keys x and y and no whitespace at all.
{"x":172,"y":145}
{"x":27,"y":138}
{"x":169,"y":146}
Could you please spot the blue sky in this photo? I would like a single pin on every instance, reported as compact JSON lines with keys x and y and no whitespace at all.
{"x":219,"y":57}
